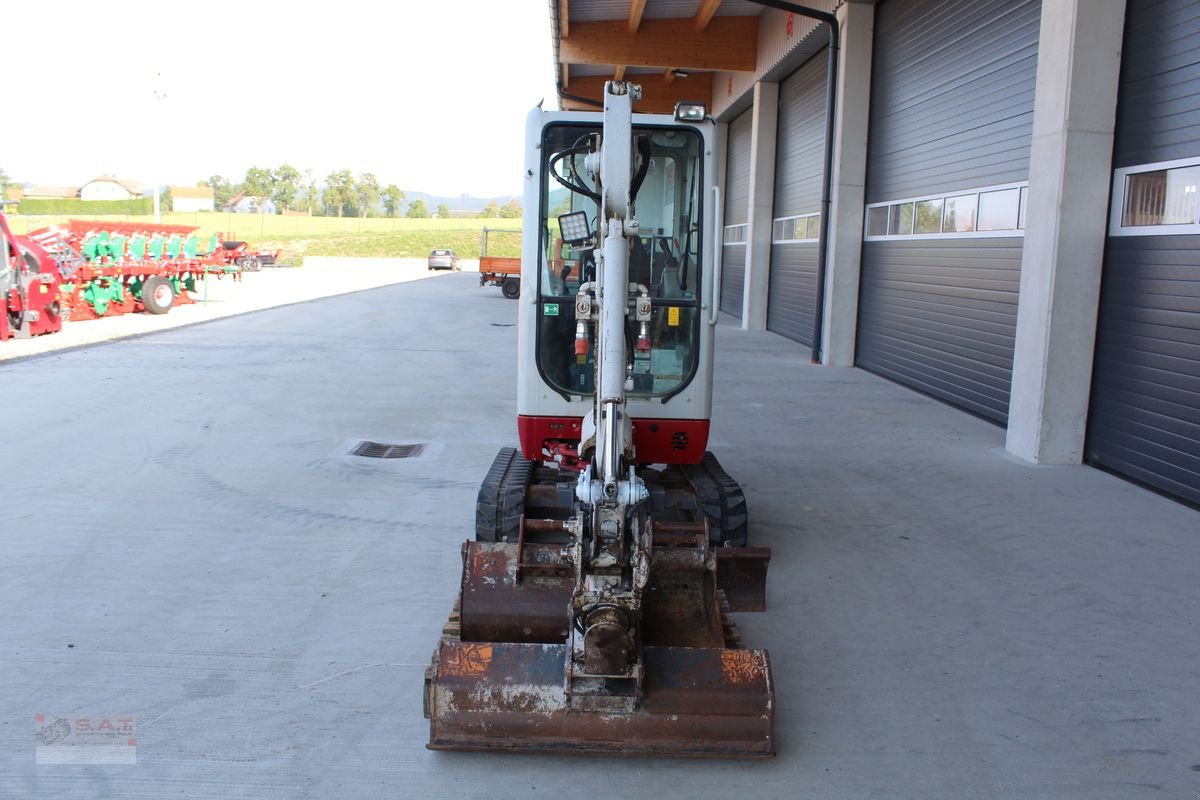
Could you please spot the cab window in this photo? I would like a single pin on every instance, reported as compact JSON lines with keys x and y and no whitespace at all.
{"x":665,"y":259}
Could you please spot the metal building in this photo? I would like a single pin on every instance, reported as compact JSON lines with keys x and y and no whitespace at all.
{"x":1012,"y":219}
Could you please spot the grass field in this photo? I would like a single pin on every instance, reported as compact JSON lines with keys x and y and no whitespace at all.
{"x":330,"y":236}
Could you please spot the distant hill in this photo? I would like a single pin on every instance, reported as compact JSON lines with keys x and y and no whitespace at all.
{"x":463,"y":205}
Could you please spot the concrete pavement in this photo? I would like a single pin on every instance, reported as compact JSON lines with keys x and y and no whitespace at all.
{"x":188,"y":542}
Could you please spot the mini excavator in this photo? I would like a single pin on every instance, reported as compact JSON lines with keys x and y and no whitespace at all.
{"x":594,"y":612}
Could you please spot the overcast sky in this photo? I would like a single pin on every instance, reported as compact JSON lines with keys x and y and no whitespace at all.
{"x":429,"y":95}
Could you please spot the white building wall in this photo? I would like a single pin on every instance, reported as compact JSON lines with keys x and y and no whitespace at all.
{"x":104,"y":190}
{"x":192,"y":203}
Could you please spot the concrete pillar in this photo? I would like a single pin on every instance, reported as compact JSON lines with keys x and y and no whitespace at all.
{"x":1070,"y":169}
{"x":851,"y":112}
{"x":763,"y":134}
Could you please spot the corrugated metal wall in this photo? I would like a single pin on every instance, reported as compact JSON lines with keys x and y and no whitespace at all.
{"x":943,"y":319}
{"x":737,"y":211}
{"x":951,"y":108}
{"x":1144,"y":419}
{"x":799,"y":163}
{"x":951,"y":95}
{"x":1158,"y":113}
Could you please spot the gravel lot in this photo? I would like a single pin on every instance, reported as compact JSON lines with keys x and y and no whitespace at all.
{"x":319,"y":277}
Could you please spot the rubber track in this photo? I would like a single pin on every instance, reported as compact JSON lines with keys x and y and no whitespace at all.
{"x":720,"y":500}
{"x":501,"y":500}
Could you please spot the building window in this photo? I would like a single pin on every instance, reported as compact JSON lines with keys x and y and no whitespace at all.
{"x":960,"y":214}
{"x":988,"y":211}
{"x":1162,"y":197}
{"x":735,"y":234}
{"x":929,"y":216}
{"x":1156,"y":199}
{"x":877,"y":221}
{"x":999,"y":211}
{"x":814,"y":226}
{"x":901,"y":222}
{"x":801,"y":228}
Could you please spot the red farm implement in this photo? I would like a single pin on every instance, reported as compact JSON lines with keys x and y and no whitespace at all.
{"x":29,"y":287}
{"x":112,"y":268}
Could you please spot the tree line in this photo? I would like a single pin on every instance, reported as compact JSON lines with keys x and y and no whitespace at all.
{"x":341,"y":194}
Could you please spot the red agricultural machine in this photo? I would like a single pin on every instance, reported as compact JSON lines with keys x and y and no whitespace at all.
{"x":29,"y":288}
{"x":112,"y":268}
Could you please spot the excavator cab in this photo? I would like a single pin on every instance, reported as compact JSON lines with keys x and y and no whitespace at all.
{"x":665,"y":258}
{"x":610,"y":549}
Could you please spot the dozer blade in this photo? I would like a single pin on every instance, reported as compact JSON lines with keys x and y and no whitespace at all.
{"x":704,"y":702}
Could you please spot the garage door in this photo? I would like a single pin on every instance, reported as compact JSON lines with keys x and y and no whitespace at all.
{"x":799,"y":163}
{"x":1144,"y":420}
{"x":948,"y":163}
{"x":737,"y":213}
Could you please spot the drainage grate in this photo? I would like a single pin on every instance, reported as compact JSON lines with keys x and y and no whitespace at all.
{"x":383,"y":450}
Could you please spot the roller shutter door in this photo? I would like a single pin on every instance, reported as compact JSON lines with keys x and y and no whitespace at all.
{"x":951,"y":119}
{"x":737,"y":213}
{"x":1144,"y":419}
{"x":799,"y":163}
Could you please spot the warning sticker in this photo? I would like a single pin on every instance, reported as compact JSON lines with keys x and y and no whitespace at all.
{"x":673,"y":316}
{"x":465,"y":659}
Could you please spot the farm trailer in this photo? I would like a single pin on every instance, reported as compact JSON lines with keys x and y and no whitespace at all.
{"x":502,"y":271}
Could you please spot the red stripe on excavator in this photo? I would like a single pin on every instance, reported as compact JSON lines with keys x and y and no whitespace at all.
{"x":658,"y":441}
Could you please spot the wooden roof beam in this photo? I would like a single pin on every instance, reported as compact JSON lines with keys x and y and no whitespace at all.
{"x":704,"y":14}
{"x":727,"y":43}
{"x":564,"y":23}
{"x":657,"y":96}
{"x":636,"y":9}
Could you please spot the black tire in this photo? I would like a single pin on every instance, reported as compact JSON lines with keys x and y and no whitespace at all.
{"x":17,"y":320}
{"x":249,"y":264}
{"x":158,"y":295}
{"x":17,"y":324}
{"x":511,"y":287}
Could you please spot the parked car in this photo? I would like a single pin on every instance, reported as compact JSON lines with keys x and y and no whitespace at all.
{"x":443,"y":259}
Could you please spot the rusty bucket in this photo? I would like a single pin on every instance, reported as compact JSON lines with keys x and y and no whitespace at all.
{"x":498,"y":679}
